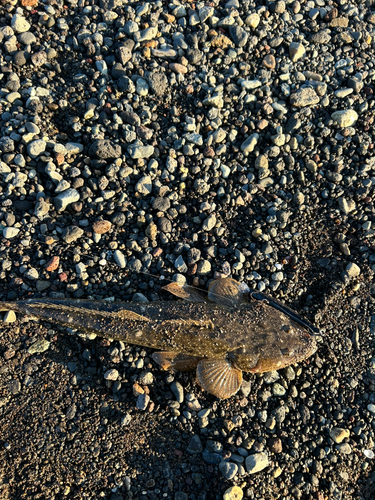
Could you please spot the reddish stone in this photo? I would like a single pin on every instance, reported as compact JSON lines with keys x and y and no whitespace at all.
{"x":63,"y":277}
{"x":101,"y":226}
{"x":59,"y":158}
{"x":53,"y":264}
{"x":157,"y":252}
{"x":209,"y":152}
{"x":332,"y":14}
{"x":269,"y":62}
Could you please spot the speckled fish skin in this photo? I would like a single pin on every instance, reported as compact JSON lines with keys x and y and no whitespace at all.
{"x":250,"y":336}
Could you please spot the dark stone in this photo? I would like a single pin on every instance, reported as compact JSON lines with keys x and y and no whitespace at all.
{"x":161,"y":204}
{"x":124,"y":54}
{"x":158,"y":83}
{"x":194,"y":56}
{"x":165,"y":225}
{"x":130,"y":117}
{"x":21,"y":58}
{"x":118,"y":218}
{"x":6,"y":145}
{"x":195,"y":445}
{"x":193,"y":255}
{"x":125,"y":84}
{"x":320,"y":38}
{"x":238,"y":35}
{"x":22,"y":205}
{"x":292,"y":124}
{"x":118,"y":71}
{"x":105,"y":149}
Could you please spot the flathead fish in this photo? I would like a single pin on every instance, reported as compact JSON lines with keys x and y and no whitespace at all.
{"x":220,"y":333}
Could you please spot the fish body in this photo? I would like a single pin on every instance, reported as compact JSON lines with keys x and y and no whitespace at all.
{"x":220,"y":333}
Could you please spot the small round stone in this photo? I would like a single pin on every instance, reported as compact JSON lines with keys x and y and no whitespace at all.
{"x":233,"y":493}
{"x":101,"y":226}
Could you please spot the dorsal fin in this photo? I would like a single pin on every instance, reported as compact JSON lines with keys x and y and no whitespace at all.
{"x":186,"y":292}
{"x":228,"y":292}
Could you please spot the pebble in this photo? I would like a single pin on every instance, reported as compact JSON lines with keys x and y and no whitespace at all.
{"x":10,"y":232}
{"x":345,"y":118}
{"x":353,"y":270}
{"x":228,"y":469}
{"x":111,"y":374}
{"x":10,"y":317}
{"x":249,"y":144}
{"x":296,"y":51}
{"x":144,"y":185}
{"x":178,"y":391}
{"x":233,"y":493}
{"x":20,"y":24}
{"x":39,"y":346}
{"x":140,"y":151}
{"x":337,"y":434}
{"x":36,"y":148}
{"x":304,"y":97}
{"x":143,"y":401}
{"x":64,"y":199}
{"x":119,"y":258}
{"x":101,"y":226}
{"x":256,"y":463}
{"x":72,"y":234}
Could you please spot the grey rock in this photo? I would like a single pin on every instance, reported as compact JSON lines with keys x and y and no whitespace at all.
{"x":10,"y":232}
{"x":238,"y":35}
{"x":161,"y":204}
{"x":321,"y":38}
{"x":119,"y":258}
{"x":143,"y":401}
{"x":353,"y":270}
{"x":304,"y":97}
{"x":228,"y":469}
{"x":105,"y":149}
{"x":165,"y":225}
{"x":136,"y":151}
{"x":41,"y":209}
{"x":209,"y":223}
{"x":144,"y":185}
{"x":66,"y":198}
{"x":131,"y":118}
{"x":125,"y":84}
{"x":36,"y":148}
{"x":195,"y":445}
{"x":249,"y":144}
{"x":178,"y":391}
{"x":256,"y":463}
{"x":158,"y":83}
{"x":39,"y":346}
{"x":72,"y":233}
{"x":6,"y":144}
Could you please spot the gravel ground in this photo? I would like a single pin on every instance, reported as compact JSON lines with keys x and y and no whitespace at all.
{"x":186,"y":141}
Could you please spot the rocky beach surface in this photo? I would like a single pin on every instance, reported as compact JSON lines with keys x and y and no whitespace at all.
{"x":142,"y":142}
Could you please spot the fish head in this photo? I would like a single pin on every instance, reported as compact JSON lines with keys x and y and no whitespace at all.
{"x":273,"y":350}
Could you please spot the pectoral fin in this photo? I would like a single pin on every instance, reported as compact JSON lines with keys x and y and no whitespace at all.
{"x":186,"y":292}
{"x":227,"y":292}
{"x":219,"y":377}
{"x":176,"y":361}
